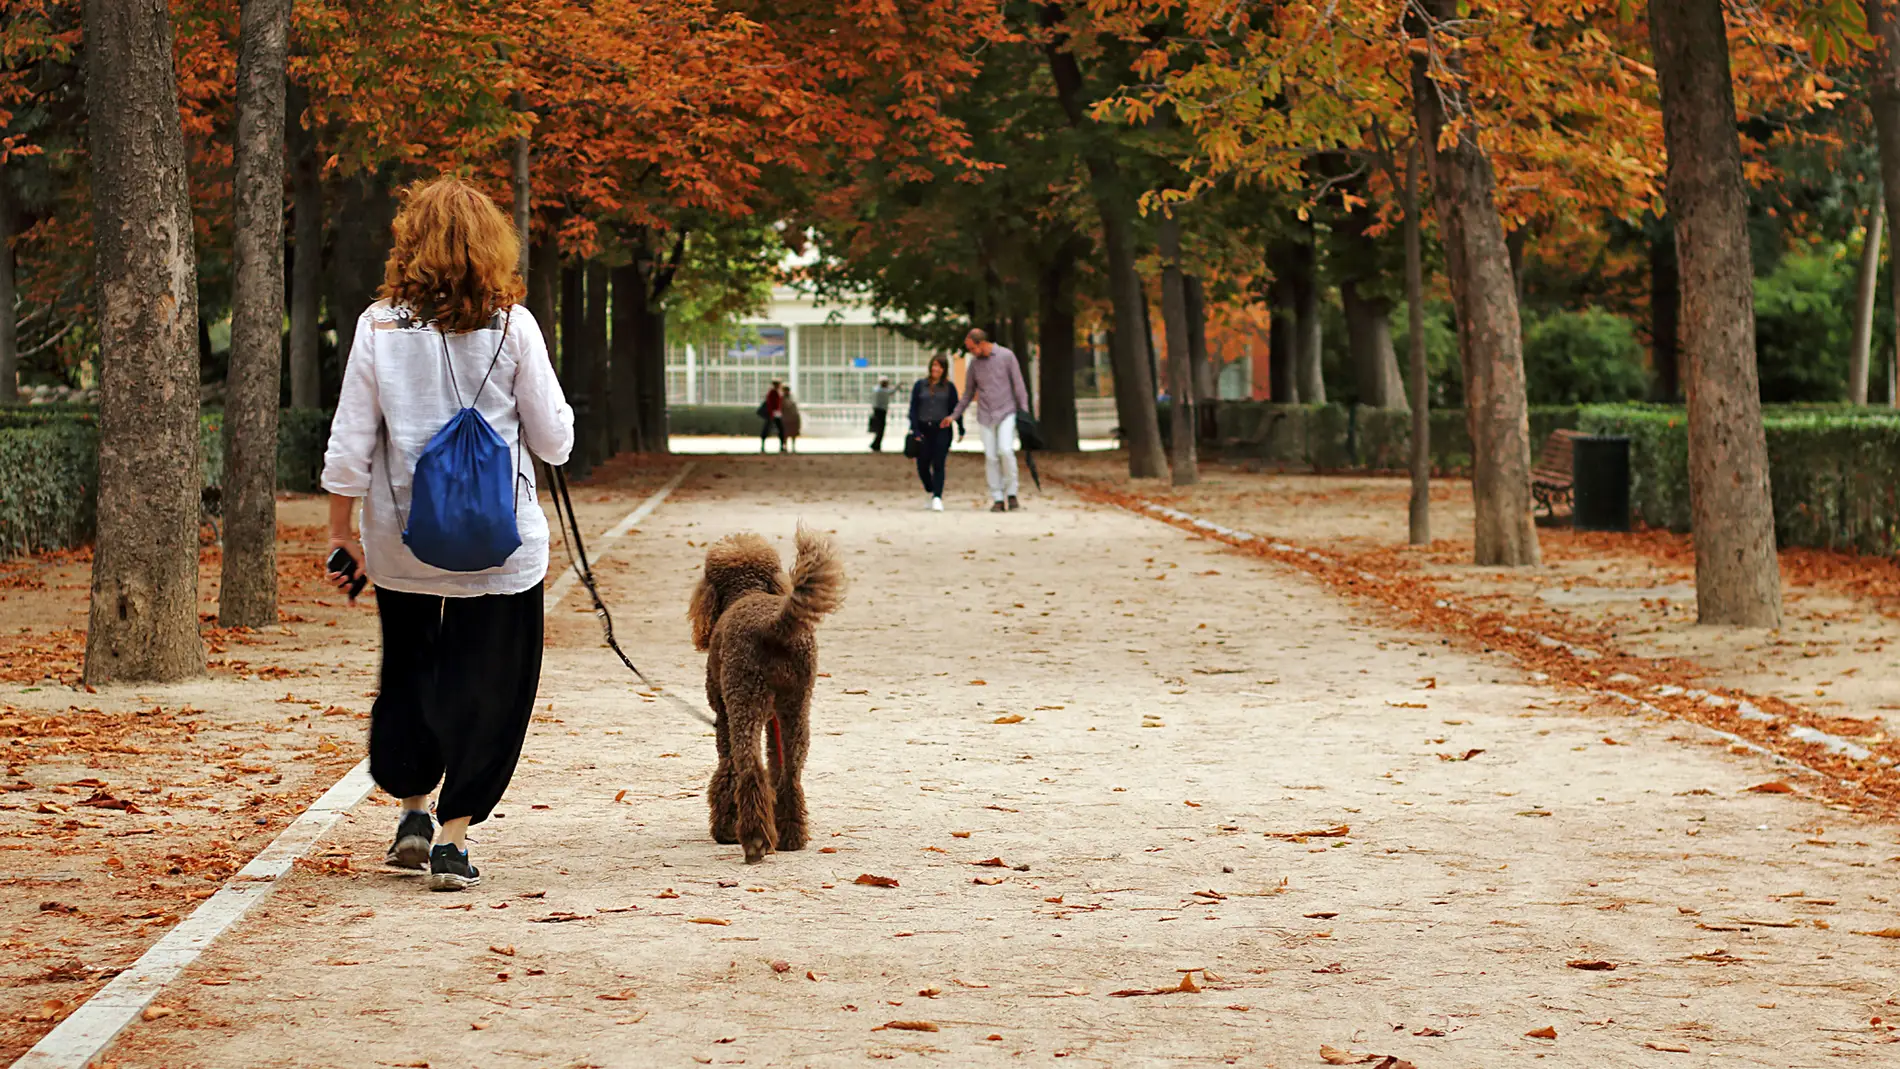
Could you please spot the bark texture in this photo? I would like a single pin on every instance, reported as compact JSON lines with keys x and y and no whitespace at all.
{"x":306,"y":265}
{"x":1738,"y":577}
{"x":601,"y":398}
{"x":544,"y":283}
{"x":627,"y":319}
{"x":1665,"y":314}
{"x":1307,"y":338}
{"x":1182,"y":464}
{"x":366,"y":208}
{"x":1055,"y":335}
{"x":575,"y":368}
{"x":1283,"y":383}
{"x":1865,"y":291}
{"x":1206,"y":375}
{"x":1419,"y":511}
{"x":1883,"y":100}
{"x":9,"y":335}
{"x":1129,"y":348}
{"x":1484,"y":294}
{"x":247,"y":584}
{"x":143,"y":623}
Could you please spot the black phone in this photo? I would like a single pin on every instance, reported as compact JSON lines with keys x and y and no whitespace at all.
{"x":343,"y":564}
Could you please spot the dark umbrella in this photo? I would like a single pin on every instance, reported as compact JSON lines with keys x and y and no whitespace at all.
{"x":1030,"y":433}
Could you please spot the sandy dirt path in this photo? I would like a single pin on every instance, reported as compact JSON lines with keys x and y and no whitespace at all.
{"x":1181,"y":707}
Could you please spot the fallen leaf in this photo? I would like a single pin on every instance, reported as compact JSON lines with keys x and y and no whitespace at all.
{"x":1012,"y":718}
{"x":1466,"y":756}
{"x":869,"y":880}
{"x":619,"y":996}
{"x":992,"y":862}
{"x":1186,"y":986}
{"x":1591,"y":965}
{"x":1668,"y":1048}
{"x":975,"y":683}
{"x":1323,"y":915}
{"x":154,"y":1012}
{"x":620,"y":795}
{"x":1884,"y":933}
{"x":959,"y":835}
{"x":707,"y":920}
{"x":1772,"y":787}
{"x":1429,"y":1032}
{"x":987,"y":881}
{"x":478,"y":1026}
{"x":1408,"y":705}
{"x":1338,"y":831}
{"x":1546,"y":1032}
{"x":783,"y":966}
{"x":930,"y":992}
{"x":668,"y":893}
{"x":908,"y":1026}
{"x":506,"y":952}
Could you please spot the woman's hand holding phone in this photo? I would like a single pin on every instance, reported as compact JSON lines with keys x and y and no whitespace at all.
{"x":345,"y":566}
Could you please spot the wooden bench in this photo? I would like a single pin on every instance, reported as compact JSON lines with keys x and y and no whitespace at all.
{"x":1551,"y":474}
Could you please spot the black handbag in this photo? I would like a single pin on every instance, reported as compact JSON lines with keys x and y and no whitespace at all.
{"x":913,"y":445}
{"x":762,"y":411}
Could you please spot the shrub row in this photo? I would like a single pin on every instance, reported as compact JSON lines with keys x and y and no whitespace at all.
{"x":49,"y":469}
{"x":1340,"y":437}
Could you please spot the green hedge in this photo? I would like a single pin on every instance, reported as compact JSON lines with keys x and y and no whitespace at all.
{"x":720,"y":420}
{"x":1833,"y":471}
{"x":49,"y":467}
{"x":1338,"y":437}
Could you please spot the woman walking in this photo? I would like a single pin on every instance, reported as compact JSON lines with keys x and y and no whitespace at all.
{"x":461,"y":649}
{"x":932,"y":399}
{"x":792,"y":423}
{"x":772,"y":412}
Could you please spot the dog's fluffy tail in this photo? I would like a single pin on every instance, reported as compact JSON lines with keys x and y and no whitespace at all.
{"x":817,"y":582}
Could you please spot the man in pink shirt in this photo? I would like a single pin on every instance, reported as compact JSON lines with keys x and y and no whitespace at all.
{"x":996,"y":386}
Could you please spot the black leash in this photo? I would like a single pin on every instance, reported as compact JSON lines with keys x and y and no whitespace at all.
{"x":577,"y":556}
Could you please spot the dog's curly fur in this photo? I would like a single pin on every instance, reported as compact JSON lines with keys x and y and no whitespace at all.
{"x":758,"y":628}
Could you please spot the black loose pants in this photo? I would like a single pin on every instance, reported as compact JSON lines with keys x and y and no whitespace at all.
{"x":458,"y":683}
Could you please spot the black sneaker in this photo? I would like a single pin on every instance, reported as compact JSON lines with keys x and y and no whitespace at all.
{"x":449,"y":869}
{"x":1013,"y":503}
{"x":414,"y":833}
{"x":998,"y":507}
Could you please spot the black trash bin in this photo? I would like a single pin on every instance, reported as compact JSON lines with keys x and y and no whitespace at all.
{"x":1600,"y":483}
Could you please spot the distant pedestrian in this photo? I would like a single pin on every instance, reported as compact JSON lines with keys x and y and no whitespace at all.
{"x":932,"y":399}
{"x":792,"y":424}
{"x":996,"y":385}
{"x":880,"y":412}
{"x":772,"y":412}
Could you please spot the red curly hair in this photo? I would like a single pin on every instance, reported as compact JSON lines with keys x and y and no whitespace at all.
{"x":456,"y":259}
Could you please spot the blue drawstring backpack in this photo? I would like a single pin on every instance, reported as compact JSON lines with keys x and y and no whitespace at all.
{"x":462,"y":499}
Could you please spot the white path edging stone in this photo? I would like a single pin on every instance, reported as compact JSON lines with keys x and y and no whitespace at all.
{"x":88,"y":1030}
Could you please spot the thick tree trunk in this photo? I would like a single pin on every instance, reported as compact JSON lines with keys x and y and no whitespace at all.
{"x":1665,"y":312}
{"x":1369,"y":340}
{"x":599,"y":365}
{"x":1419,"y":514}
{"x":544,"y":283}
{"x":1182,"y":463}
{"x":524,"y":198}
{"x":1283,"y":361}
{"x":9,"y":297}
{"x":1055,"y":334}
{"x":1019,"y":343}
{"x":1129,"y":349}
{"x":1307,"y":337}
{"x":247,"y":590}
{"x":574,"y":367}
{"x":143,"y":623}
{"x":1883,"y":100}
{"x":1865,"y":295}
{"x":306,"y":265}
{"x":1490,"y":336}
{"x":1201,"y":365}
{"x":1738,"y":577}
{"x":624,"y":315}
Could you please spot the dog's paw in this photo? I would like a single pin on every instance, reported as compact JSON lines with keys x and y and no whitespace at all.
{"x":791,"y":838}
{"x":755,"y":850}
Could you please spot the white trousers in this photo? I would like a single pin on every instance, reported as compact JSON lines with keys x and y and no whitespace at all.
{"x":999,"y":456}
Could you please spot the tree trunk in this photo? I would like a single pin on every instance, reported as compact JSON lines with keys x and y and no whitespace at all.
{"x":1206,"y":376}
{"x":365,"y":211}
{"x":144,"y":614}
{"x":1369,"y":338}
{"x":1490,"y":336}
{"x":1134,"y":378}
{"x":1055,"y":334}
{"x":1419,"y":514}
{"x":1019,"y":343}
{"x":1665,"y":310}
{"x":599,"y":376}
{"x":1307,"y":337}
{"x":624,"y":315}
{"x":9,"y":298}
{"x":306,"y":265}
{"x":544,"y":284}
{"x":1864,"y":297}
{"x":1883,"y":100}
{"x":524,"y":200}
{"x":1738,"y":578}
{"x":247,"y":586}
{"x":1182,"y":463}
{"x":575,"y":367}
{"x":1283,"y":361}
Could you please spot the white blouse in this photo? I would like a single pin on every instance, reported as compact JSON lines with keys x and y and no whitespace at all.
{"x":396,"y":391}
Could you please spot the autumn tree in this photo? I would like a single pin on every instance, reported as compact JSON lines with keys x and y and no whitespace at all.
{"x":144,"y":611}
{"x":247,"y":594}
{"x":1738,"y":577}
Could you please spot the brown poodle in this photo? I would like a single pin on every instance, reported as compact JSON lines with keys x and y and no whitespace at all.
{"x":758,"y":628}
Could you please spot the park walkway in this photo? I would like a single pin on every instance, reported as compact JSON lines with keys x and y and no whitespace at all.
{"x":1138,"y":726}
